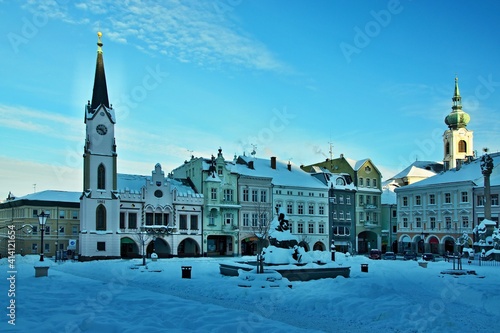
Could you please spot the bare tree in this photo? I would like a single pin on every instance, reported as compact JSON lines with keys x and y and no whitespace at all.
{"x":143,"y":237}
{"x":260,"y":230}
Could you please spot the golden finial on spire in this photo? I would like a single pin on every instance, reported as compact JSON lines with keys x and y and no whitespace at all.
{"x":99,"y":42}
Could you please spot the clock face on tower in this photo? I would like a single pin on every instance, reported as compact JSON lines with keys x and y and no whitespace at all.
{"x":101,"y":129}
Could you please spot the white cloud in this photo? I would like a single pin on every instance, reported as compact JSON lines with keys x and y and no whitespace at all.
{"x":18,"y":176}
{"x":40,"y":122}
{"x":199,"y":32}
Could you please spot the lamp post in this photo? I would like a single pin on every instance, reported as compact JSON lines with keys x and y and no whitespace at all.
{"x":332,"y":247}
{"x":42,"y":220}
{"x":422,"y":237}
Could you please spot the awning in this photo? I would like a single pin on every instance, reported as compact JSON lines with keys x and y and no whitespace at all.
{"x":126,"y":240}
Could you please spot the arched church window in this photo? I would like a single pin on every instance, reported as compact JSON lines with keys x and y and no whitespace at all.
{"x":101,"y":177}
{"x":462,"y":146}
{"x":100,"y":218}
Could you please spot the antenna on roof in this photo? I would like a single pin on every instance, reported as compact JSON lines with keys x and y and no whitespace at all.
{"x":331,"y":150}
{"x":254,"y":151}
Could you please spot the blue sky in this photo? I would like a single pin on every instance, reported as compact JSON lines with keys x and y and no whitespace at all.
{"x":374,"y":78}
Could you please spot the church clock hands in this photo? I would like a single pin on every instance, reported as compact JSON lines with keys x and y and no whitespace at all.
{"x":101,"y":129}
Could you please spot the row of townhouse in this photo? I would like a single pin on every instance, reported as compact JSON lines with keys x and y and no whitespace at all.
{"x":434,"y":213}
{"x":204,"y":207}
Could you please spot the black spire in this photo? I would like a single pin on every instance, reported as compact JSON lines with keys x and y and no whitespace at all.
{"x":100,"y":92}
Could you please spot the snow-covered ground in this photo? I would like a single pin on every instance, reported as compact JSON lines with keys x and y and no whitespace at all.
{"x":119,"y":296}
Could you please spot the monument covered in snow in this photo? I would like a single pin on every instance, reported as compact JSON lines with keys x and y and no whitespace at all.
{"x":284,"y":247}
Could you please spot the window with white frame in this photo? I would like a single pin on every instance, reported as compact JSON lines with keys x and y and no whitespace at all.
{"x":361,"y":216}
{"x":289,"y":208}
{"x":321,"y":228}
{"x":432,"y":199}
{"x":418,"y":222}
{"x":465,"y":196}
{"x":255,"y":194}
{"x":245,"y":194}
{"x":341,"y":199}
{"x":447,"y":220}
{"x":447,"y":198}
{"x":480,"y":200}
{"x":348,"y":200}
{"x":300,"y":228}
{"x":334,"y":215}
{"x":374,"y":183}
{"x":300,"y":208}
{"x":361,"y":182}
{"x":418,"y":200}
{"x":405,"y":201}
{"x":228,"y":194}
{"x":311,"y":209}
{"x":494,"y":199}
{"x":263,"y":196}
{"x":348,"y":216}
{"x":341,"y":215}
{"x":311,"y":228}
{"x":321,"y":210}
{"x":255,"y":219}
{"x":228,"y":218}
{"x":213,"y":193}
{"x":405,"y":222}
{"x":246,"y":219}
{"x":432,"y":221}
{"x":367,"y":182}
{"x":263,"y":219}
{"x":465,"y":222}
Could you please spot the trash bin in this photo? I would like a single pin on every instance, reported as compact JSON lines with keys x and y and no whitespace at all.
{"x":186,"y":272}
{"x":364,"y":268}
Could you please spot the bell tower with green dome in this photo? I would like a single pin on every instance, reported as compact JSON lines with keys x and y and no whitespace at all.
{"x":457,"y":139}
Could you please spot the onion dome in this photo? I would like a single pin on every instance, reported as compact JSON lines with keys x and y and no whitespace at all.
{"x":457,"y":118}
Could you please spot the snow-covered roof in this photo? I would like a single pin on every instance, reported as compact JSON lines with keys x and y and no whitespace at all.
{"x":388,"y":196}
{"x":183,"y":189}
{"x":421,"y":169}
{"x":131,"y":183}
{"x":470,"y":172}
{"x":52,"y":195}
{"x":134,"y":183}
{"x":281,"y":176}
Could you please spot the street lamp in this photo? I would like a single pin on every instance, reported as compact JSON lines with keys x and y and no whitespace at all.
{"x":42,"y":220}
{"x":332,"y":247}
{"x":422,"y":237}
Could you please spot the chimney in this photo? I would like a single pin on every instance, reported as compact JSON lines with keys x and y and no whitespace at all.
{"x":459,"y":163}
{"x":289,"y":166}
{"x":273,"y":162}
{"x":341,"y":155}
{"x":250,"y":164}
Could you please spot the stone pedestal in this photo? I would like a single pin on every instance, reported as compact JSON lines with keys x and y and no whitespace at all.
{"x":423,"y":264}
{"x":41,"y":271}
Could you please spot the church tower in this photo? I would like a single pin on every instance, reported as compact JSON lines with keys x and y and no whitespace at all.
{"x":457,"y":139}
{"x":99,"y":203}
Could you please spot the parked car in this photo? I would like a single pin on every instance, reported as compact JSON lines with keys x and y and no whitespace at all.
{"x":389,"y":256}
{"x":428,"y":257}
{"x":375,"y":254}
{"x":409,"y":255}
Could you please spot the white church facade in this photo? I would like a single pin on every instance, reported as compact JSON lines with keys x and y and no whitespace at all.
{"x":128,"y":215}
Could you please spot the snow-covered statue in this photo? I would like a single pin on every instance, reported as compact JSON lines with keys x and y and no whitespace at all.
{"x":486,"y":164}
{"x":496,"y":238}
{"x":283,"y":247}
{"x":464,"y":240}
